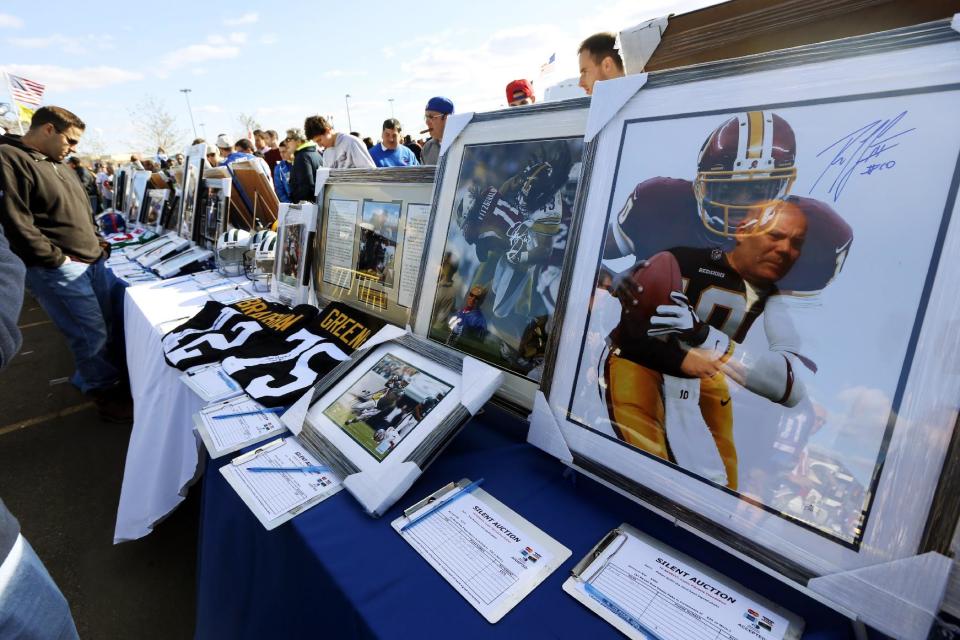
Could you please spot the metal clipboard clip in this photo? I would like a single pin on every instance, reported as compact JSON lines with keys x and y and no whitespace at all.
{"x":250,"y":455}
{"x":616,"y":535}
{"x":439,"y":494}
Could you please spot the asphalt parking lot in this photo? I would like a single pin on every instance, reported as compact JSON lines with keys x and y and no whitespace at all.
{"x":60,"y":474}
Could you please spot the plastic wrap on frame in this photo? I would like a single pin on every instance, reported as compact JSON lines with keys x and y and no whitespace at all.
{"x":908,"y":508}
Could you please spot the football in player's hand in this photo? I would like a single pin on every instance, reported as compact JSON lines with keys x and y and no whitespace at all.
{"x":644,"y":288}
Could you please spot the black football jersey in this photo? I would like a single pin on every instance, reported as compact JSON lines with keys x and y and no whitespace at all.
{"x":219,"y":330}
{"x":275,"y":370}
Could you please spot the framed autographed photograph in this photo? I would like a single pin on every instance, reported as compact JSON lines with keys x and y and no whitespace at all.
{"x":371,"y":237}
{"x":754,"y":338}
{"x":138,"y":190}
{"x":501,"y":212}
{"x":380,"y":418}
{"x":215,"y":205}
{"x":291,"y":266}
{"x":190,"y":190}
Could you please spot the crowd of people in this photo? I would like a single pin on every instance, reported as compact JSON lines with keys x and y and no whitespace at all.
{"x":49,"y":242}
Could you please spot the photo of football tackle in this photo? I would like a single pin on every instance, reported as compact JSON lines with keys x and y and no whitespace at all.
{"x":379,"y":226}
{"x":500,"y":273}
{"x":386,"y":404}
{"x":723,"y":334}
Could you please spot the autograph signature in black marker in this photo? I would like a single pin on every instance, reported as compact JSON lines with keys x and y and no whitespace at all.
{"x":861,"y":153}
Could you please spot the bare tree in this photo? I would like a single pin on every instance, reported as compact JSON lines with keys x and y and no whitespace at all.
{"x":155,"y":127}
{"x":250,"y":125}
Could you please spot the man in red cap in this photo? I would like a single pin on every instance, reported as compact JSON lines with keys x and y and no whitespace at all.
{"x":519,"y":93}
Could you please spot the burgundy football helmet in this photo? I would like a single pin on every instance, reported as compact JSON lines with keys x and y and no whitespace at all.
{"x":746,"y":169}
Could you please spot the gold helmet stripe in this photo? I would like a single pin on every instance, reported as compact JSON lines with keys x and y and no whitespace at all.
{"x":754,"y":134}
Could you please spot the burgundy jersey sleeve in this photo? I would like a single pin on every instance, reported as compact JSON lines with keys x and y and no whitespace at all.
{"x":659,"y":213}
{"x":825,"y":249}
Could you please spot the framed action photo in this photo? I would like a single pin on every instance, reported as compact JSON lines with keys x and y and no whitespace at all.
{"x":371,"y":236}
{"x":501,"y":215}
{"x":755,"y":338}
{"x":121,"y":189}
{"x":190,"y":190}
{"x":295,"y":231}
{"x":138,"y":191}
{"x":397,"y":402}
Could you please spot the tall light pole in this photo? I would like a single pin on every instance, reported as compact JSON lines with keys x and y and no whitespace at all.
{"x":186,"y":94}
{"x":203,"y":128}
{"x":346,"y":99}
{"x":390,"y":100}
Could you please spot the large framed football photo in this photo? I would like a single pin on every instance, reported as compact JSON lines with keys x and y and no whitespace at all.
{"x":758,"y":331}
{"x":501,"y":211}
{"x":369,"y":245}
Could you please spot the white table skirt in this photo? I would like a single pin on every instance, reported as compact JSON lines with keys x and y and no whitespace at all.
{"x":163,"y":454}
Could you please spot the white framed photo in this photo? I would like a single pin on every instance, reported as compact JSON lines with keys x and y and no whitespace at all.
{"x":190,"y":190}
{"x":155,"y":204}
{"x":370,"y":239}
{"x":295,"y":229}
{"x":754,"y":339}
{"x":493,"y":259}
{"x":380,"y":418}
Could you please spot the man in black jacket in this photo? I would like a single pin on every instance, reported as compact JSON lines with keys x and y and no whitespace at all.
{"x":306,"y":161}
{"x":46,"y":216}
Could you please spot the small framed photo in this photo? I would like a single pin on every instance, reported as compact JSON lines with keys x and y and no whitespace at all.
{"x":734,"y":350}
{"x":380,"y":418}
{"x":154,"y":208}
{"x":190,"y":190}
{"x":138,"y":190}
{"x":295,"y":231}
{"x":501,"y":214}
{"x":215,"y":207}
{"x":371,"y":237}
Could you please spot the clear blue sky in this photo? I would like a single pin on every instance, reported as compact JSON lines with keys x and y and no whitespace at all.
{"x":283,"y":61}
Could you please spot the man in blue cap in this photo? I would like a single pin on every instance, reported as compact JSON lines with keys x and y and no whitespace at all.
{"x":438,"y":108}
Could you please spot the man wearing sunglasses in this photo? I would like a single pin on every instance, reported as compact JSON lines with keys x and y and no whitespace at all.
{"x":46,"y":217}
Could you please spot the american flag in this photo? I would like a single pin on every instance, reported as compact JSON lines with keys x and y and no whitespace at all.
{"x":26,"y":91}
{"x":547,"y":66}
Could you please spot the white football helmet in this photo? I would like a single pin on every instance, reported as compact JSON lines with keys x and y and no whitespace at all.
{"x":231,"y":246}
{"x":259,"y":259}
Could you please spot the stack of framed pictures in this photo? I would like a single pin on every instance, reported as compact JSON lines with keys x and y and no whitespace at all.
{"x":121,"y":188}
{"x":381,"y":417}
{"x":497,"y":242}
{"x":371,"y":237}
{"x":734,"y":351}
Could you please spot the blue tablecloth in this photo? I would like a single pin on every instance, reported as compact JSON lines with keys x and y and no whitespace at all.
{"x":334,"y":572}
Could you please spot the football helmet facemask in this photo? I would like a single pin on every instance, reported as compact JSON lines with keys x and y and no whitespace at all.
{"x":745,"y":170}
{"x":258,"y":260}
{"x":231,"y":246}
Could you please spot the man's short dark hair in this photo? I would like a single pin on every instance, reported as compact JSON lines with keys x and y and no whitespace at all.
{"x":315,"y":126}
{"x":60,"y":118}
{"x":73,"y":161}
{"x":244,"y":145}
{"x":600,"y":46}
{"x":393,"y":124}
{"x":197,"y":141}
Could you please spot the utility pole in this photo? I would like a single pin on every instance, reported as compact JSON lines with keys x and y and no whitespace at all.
{"x":390,"y":100}
{"x":346,"y":99}
{"x":186,"y":94}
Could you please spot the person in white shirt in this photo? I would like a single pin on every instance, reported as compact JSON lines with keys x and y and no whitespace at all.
{"x":340,"y":150}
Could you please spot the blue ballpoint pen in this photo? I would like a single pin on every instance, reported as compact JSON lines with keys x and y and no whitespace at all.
{"x":442,"y":503}
{"x":314,"y":468}
{"x":277,"y":410}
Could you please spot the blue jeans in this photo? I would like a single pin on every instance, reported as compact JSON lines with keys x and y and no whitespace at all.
{"x":31,"y":605}
{"x":77,"y":297}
